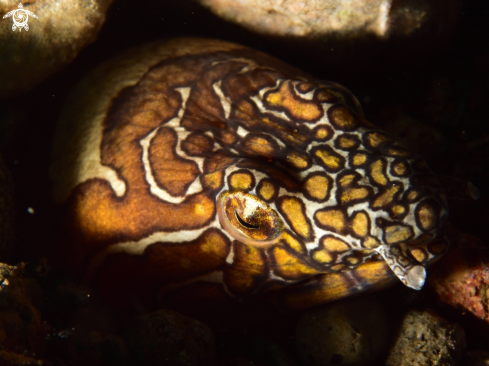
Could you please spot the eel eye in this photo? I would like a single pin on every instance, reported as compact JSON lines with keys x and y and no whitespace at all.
{"x":248,"y":219}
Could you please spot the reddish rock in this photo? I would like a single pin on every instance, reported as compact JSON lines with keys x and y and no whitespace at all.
{"x":461,"y":278}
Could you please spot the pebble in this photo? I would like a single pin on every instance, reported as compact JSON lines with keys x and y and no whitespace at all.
{"x":60,"y":31}
{"x":425,"y":338}
{"x":168,"y":338}
{"x":350,"y":332}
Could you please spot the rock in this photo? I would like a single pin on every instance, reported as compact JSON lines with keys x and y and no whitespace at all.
{"x":79,"y":315}
{"x":312,"y":19}
{"x":70,"y":297}
{"x":351,"y":332}
{"x":6,"y":212}
{"x":16,"y":359}
{"x":240,"y":361}
{"x":115,"y":351}
{"x":54,"y":39}
{"x":267,"y":351}
{"x":167,"y":337}
{"x":22,"y":333}
{"x":35,"y":292}
{"x":352,"y":36}
{"x":461,"y":278}
{"x":427,"y":339}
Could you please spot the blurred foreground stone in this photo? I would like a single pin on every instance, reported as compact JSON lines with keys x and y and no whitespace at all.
{"x":314,"y":19}
{"x":61,"y":30}
{"x":349,"y":332}
{"x":169,"y":338}
{"x":352,"y":36}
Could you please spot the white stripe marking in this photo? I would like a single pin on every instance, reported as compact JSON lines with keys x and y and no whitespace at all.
{"x":174,"y":123}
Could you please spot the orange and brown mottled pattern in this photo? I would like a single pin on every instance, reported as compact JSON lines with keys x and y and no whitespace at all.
{"x":178,"y":123}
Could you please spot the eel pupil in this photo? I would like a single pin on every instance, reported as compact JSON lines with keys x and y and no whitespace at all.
{"x":244,"y":223}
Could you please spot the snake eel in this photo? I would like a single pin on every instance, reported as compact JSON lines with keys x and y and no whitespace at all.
{"x":195,"y":165}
